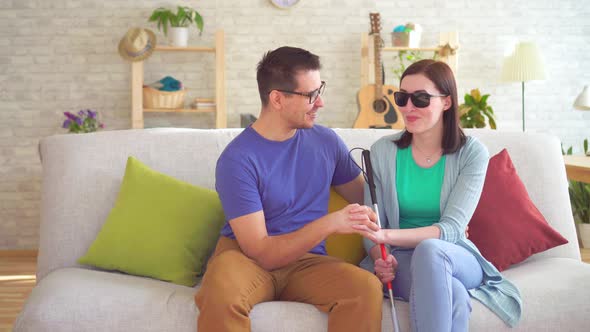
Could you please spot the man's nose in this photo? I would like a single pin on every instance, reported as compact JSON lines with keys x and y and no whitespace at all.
{"x":319,"y":102}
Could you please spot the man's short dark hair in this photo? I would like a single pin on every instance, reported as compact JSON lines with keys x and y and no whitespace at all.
{"x":278,"y":68}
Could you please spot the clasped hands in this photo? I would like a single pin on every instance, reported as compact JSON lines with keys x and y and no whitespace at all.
{"x":361,"y":219}
{"x":355,"y":218}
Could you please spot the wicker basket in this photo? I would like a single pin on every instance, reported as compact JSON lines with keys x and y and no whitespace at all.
{"x":153,"y":98}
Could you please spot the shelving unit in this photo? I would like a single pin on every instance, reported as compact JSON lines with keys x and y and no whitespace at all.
{"x":449,"y":40}
{"x":137,"y":68}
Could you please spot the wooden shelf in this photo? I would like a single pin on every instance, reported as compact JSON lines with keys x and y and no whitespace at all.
{"x":179,"y":110}
{"x":420,"y":49}
{"x":167,"y":48}
{"x":368,"y":56}
{"x":137,"y":67}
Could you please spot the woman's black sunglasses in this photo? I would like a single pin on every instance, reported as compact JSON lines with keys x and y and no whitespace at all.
{"x":419,"y":99}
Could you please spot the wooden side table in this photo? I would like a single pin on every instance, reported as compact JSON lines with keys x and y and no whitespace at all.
{"x":577,"y":168}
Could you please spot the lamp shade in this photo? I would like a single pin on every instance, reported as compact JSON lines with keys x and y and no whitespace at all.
{"x":583,"y":100}
{"x":524,"y":64}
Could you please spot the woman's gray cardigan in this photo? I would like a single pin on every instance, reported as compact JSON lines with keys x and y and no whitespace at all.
{"x":464,"y":177}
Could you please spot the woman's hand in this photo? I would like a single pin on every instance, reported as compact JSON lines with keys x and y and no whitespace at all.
{"x":350,"y":218}
{"x":378,"y":236}
{"x":385,"y":269}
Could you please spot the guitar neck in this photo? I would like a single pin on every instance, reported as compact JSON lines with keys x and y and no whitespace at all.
{"x":378,"y":74}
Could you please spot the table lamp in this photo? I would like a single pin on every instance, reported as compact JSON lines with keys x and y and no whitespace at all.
{"x":582,"y":103}
{"x":523,"y":65}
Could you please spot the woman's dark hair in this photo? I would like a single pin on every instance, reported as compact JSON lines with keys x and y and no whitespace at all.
{"x":278,"y":68}
{"x":442,"y":76}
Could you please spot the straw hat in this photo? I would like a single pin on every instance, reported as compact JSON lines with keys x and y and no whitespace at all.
{"x":137,"y":44}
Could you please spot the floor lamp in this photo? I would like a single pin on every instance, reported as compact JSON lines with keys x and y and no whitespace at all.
{"x":523,"y":65}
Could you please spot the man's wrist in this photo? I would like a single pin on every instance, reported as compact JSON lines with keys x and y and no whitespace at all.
{"x":325,"y":226}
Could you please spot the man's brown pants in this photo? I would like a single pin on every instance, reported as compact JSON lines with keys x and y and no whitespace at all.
{"x":234,"y":283}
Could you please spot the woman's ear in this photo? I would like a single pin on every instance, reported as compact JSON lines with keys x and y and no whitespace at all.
{"x":447,"y":103}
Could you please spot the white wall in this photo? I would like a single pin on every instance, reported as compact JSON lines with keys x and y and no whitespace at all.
{"x":61,"y":55}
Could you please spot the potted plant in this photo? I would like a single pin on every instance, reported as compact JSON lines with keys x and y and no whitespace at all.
{"x":407,"y":57}
{"x":179,"y":23}
{"x":475,"y":110}
{"x":86,"y":121}
{"x":580,"y":201}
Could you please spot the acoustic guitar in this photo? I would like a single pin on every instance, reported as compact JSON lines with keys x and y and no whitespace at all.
{"x":376,"y":106}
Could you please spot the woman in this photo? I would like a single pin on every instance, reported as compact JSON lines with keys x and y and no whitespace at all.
{"x":428,"y":180}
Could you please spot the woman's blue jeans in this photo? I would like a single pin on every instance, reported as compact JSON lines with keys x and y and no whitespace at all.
{"x":434,"y":278}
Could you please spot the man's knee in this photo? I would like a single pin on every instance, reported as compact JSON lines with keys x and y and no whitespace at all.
{"x":219,"y":279}
{"x":366,"y":285}
{"x":234,"y":280}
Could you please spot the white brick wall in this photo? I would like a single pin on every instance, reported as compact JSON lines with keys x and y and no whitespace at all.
{"x":61,"y":55}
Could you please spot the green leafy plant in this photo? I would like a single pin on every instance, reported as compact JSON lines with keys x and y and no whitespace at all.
{"x":579,"y":194}
{"x":184,"y":17}
{"x":475,"y":110}
{"x":405,"y":58}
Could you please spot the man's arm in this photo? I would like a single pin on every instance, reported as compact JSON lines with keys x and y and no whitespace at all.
{"x":353,"y":191}
{"x":272,"y":252}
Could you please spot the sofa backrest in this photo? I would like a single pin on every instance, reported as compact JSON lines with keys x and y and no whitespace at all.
{"x":82,"y":174}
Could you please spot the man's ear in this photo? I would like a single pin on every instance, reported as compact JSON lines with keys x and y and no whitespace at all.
{"x":275,"y":99}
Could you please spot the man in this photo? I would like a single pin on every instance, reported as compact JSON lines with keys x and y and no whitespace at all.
{"x":274,"y":181}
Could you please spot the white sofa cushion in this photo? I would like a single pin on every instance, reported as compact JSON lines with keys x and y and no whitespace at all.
{"x":555,"y":293}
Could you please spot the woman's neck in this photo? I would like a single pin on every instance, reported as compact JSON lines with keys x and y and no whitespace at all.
{"x":429,"y":141}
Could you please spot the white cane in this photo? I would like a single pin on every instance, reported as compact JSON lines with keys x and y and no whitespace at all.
{"x":367,"y":159}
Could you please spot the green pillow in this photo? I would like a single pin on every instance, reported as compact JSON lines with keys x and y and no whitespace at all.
{"x":160,"y":227}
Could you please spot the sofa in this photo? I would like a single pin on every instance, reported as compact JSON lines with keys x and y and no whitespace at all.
{"x":85,"y":172}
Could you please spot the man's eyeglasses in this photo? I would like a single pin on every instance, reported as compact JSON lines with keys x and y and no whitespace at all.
{"x":419,"y":99}
{"x":313,"y":96}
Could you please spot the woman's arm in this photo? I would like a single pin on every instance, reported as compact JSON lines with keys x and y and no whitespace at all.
{"x":408,"y":238}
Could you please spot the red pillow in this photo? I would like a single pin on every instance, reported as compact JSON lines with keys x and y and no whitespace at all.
{"x":507,"y":227}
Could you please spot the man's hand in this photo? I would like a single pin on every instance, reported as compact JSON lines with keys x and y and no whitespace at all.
{"x":385,"y":269}
{"x":353,"y":218}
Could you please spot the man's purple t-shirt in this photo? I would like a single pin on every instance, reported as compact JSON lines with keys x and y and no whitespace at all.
{"x":290,"y":180}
